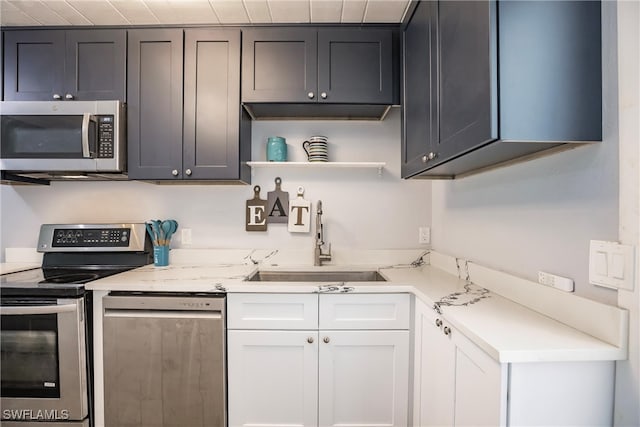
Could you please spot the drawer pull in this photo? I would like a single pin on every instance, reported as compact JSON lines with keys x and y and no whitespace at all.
{"x":447,"y":330}
{"x":310,"y":340}
{"x":326,"y":339}
{"x":438,"y":323}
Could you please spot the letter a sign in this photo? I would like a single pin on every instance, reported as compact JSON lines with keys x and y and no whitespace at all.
{"x":278,"y":205}
{"x":299,"y":214}
{"x":256,"y":213}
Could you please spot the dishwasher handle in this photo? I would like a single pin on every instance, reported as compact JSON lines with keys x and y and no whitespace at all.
{"x":157,"y":303}
{"x":163,"y":314}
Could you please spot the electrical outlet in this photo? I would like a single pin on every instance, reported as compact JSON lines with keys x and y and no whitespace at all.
{"x":424,"y":235}
{"x":186,"y":236}
{"x":558,"y":282}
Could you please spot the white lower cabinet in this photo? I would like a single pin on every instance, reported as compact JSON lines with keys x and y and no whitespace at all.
{"x":273,"y":378}
{"x":319,"y":377}
{"x":458,"y":384}
{"x":363,"y":378}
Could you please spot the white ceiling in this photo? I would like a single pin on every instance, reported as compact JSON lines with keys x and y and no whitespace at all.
{"x":202,"y":12}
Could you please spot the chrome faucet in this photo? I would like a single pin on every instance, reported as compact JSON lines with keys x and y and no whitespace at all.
{"x":318,"y":255}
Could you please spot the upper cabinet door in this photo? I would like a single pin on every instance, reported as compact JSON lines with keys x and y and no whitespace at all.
{"x":48,"y":65}
{"x":96,"y":64}
{"x":355,"y":65}
{"x":279,"y":65}
{"x":33,"y":65}
{"x":212,"y":104}
{"x":154,"y":107}
{"x":420,"y":91}
{"x":467,"y":49}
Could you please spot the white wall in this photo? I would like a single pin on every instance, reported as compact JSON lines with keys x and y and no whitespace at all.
{"x":540,"y":215}
{"x":361,"y":210}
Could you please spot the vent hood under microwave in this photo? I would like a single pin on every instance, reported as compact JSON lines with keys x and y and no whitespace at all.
{"x":60,"y":140}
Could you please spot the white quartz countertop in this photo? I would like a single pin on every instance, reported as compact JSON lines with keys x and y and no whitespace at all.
{"x":507,"y":331}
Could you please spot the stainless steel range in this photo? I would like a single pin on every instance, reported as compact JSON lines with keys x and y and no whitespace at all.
{"x":45,"y":316}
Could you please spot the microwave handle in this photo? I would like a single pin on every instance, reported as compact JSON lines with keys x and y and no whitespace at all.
{"x":86,"y":118}
{"x":38,"y":309}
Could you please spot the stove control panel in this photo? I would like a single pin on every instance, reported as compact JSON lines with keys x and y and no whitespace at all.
{"x":96,"y":237}
{"x":91,"y":237}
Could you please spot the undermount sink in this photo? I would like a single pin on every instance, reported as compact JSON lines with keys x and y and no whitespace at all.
{"x":317,"y":276}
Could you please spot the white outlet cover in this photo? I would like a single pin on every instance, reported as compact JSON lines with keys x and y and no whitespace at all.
{"x":424,"y":235}
{"x":186,"y":236}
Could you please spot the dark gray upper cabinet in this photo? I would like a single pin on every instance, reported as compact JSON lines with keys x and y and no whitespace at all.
{"x":44,"y":65}
{"x":205,"y":136}
{"x":355,"y":65}
{"x":289,"y":71}
{"x":420,"y":89}
{"x":217,"y":132}
{"x":154,"y":107}
{"x":467,"y":84}
{"x":514,"y":78}
{"x":279,"y":65}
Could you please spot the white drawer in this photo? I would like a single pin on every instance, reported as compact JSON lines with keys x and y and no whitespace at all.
{"x":364,"y":311}
{"x":272,"y":311}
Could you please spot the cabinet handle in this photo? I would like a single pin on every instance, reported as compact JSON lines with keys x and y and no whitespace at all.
{"x":438,"y":323}
{"x":311,"y":95}
{"x":57,"y":96}
{"x":425,"y":159}
{"x":432,"y":155}
{"x":68,"y":97}
{"x":326,"y":339}
{"x":310,"y":340}
{"x":188,"y":172}
{"x":323,"y":95}
{"x":447,"y":330}
{"x":174,"y":172}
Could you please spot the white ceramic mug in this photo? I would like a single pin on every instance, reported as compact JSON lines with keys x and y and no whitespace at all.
{"x":316,"y":148}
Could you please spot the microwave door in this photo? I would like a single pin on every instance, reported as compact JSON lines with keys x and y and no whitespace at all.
{"x":49,"y":142}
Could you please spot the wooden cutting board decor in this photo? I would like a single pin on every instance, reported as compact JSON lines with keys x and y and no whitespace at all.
{"x":278,"y":205}
{"x":256,"y":217}
{"x":299,"y":214}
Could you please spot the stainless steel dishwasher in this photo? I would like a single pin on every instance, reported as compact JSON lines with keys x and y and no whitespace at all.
{"x":164,"y":359}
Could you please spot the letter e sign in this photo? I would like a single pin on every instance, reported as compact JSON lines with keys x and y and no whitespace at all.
{"x":256,"y":213}
{"x":299,"y":214}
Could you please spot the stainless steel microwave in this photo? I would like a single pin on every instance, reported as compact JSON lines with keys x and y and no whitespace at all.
{"x":63,"y":138}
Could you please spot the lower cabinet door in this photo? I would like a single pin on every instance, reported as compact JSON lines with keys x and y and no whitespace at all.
{"x":435,"y":372}
{"x":480,"y":386}
{"x":273,"y":378}
{"x":363,"y":378}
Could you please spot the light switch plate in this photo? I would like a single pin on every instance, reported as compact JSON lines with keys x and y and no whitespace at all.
{"x":611,"y":264}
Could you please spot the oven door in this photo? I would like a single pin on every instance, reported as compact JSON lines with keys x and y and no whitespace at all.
{"x":44,"y":368}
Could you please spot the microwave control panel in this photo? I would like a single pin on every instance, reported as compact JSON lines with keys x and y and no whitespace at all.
{"x":94,"y":237}
{"x":105,"y":137}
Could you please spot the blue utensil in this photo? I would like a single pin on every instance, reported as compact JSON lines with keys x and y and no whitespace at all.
{"x":154,"y":238}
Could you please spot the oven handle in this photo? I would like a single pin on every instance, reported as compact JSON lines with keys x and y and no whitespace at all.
{"x":86,"y":118}
{"x":38,"y":309}
{"x":173,"y":314}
